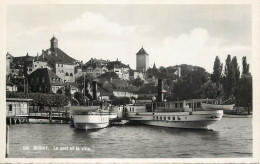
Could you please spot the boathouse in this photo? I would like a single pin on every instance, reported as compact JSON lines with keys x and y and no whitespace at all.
{"x":17,"y":110}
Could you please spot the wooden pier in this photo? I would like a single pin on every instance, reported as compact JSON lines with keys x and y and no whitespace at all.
{"x":49,"y":117}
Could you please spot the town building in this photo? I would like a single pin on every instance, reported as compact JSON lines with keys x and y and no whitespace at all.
{"x":142,"y":60}
{"x":121,"y":69}
{"x":9,"y":60}
{"x":60,"y":63}
{"x":133,"y":74}
{"x":45,"y":81}
{"x":117,"y":88}
{"x":95,"y":67}
{"x":10,"y":86}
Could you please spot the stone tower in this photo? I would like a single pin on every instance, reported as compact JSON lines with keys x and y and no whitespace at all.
{"x":142,"y":60}
{"x":54,"y":43}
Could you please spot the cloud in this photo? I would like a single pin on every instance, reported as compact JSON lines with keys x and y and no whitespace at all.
{"x":197,"y":47}
{"x":98,"y":24}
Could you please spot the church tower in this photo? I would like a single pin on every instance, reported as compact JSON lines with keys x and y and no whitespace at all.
{"x":54,"y":43}
{"x":142,"y":60}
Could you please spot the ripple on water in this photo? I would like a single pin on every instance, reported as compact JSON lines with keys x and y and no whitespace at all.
{"x":131,"y":141}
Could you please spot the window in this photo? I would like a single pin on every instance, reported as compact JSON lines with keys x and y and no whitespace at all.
{"x":176,"y":105}
{"x":169,"y":118}
{"x":43,"y":80}
{"x":35,"y":66}
{"x":71,"y":74}
{"x":67,"y":74}
{"x":58,"y":65}
{"x":164,"y":118}
{"x":10,"y":107}
{"x":179,"y":118}
{"x":173,"y":118}
{"x":181,"y":105}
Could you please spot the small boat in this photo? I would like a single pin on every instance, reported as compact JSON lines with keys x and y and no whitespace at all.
{"x":91,"y":117}
{"x":223,"y":107}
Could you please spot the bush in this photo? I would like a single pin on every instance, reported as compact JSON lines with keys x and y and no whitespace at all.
{"x":40,"y":99}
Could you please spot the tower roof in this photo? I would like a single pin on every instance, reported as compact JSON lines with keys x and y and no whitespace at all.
{"x":142,"y":52}
{"x":53,"y":38}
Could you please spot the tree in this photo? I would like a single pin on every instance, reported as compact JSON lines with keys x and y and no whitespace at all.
{"x":209,"y":90}
{"x":244,"y":95}
{"x":217,"y":71}
{"x":245,"y":66}
{"x":236,"y":68}
{"x":79,"y":97}
{"x":229,"y":79}
{"x":67,"y":90}
{"x":138,"y":82}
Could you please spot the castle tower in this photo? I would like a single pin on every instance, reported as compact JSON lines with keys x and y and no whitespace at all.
{"x":54,"y":42}
{"x":142,"y":60}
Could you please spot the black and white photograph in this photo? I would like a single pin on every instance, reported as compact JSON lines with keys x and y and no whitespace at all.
{"x":122,"y":81}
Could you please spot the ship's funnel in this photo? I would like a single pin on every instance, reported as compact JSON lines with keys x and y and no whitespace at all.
{"x":94,"y":85}
{"x":160,"y":88}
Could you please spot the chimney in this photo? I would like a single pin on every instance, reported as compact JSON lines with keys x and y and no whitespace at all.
{"x":160,"y":87}
{"x":94,"y":85}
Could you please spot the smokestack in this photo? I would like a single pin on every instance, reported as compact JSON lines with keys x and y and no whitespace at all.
{"x":160,"y":87}
{"x":94,"y":85}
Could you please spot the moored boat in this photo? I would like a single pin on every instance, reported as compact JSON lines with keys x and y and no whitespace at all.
{"x":185,"y":118}
{"x":175,"y":114}
{"x":91,"y":117}
{"x":223,"y":107}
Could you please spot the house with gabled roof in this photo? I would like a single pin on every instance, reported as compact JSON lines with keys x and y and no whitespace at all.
{"x":117,"y":88}
{"x":95,"y":69}
{"x":121,"y":69}
{"x":44,"y":80}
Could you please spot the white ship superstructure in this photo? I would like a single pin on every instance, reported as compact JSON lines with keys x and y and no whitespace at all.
{"x":175,"y":114}
{"x":175,"y":118}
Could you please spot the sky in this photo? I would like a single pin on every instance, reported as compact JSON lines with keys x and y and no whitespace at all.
{"x":171,"y":34}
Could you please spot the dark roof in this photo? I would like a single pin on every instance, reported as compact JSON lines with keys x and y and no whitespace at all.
{"x":116,"y":64}
{"x":50,"y":73}
{"x":53,"y":38}
{"x":99,"y":61}
{"x":141,"y":52}
{"x":46,"y":73}
{"x":56,"y":56}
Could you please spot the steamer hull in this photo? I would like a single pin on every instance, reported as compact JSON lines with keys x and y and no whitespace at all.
{"x":187,"y":120}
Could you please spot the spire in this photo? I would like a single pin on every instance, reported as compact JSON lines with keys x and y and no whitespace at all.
{"x":154,"y":66}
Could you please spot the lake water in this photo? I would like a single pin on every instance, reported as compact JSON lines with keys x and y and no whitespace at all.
{"x":231,"y":137}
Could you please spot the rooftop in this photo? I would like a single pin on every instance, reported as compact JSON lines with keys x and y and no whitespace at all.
{"x":142,"y":52}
